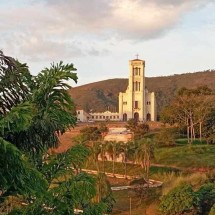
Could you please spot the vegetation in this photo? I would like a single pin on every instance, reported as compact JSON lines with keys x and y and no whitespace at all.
{"x":189,"y":201}
{"x":181,"y":200}
{"x":166,"y":137}
{"x":191,"y":108}
{"x":34,"y":111}
{"x":138,"y":129}
{"x":197,"y":156}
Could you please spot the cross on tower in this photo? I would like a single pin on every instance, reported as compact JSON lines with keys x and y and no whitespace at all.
{"x":137,"y":56}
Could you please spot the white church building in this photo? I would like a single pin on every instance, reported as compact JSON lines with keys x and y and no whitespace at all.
{"x":136,"y":103}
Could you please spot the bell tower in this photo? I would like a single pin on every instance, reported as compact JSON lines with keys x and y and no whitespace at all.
{"x":137,"y":89}
{"x":137,"y":103}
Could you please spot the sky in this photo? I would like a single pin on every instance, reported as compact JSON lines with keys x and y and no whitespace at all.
{"x":100,"y":36}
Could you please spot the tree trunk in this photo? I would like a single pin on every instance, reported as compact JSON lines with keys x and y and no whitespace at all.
{"x":113,"y":164}
{"x":200,"y":131}
{"x":188,"y":131}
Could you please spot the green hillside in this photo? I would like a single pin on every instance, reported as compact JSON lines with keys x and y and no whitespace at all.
{"x":103,"y":95}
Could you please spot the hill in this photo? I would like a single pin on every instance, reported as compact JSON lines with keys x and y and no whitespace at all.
{"x":103,"y":95}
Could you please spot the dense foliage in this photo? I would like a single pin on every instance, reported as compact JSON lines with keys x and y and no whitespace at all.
{"x":192,"y":109}
{"x":184,"y":200}
{"x":138,"y":129}
{"x":34,"y":111}
{"x":180,"y":200}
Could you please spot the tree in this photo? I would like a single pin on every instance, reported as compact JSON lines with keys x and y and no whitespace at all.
{"x":131,"y":124}
{"x":15,"y":83}
{"x":49,"y":108}
{"x":95,"y":151}
{"x":190,"y":108}
{"x":127,"y":151}
{"x":113,"y":150}
{"x":165,"y":137}
{"x":138,"y":129}
{"x":144,"y":155}
{"x":212,"y":211}
{"x":17,"y":176}
{"x":209,"y":128}
{"x":91,"y":133}
{"x":104,"y":193}
{"x":180,"y":200}
{"x":206,"y":195}
{"x":33,"y":112}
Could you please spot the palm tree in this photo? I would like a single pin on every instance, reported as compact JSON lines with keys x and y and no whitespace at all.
{"x":113,"y":149}
{"x":144,"y":154}
{"x":103,"y":147}
{"x":128,"y":150}
{"x":95,"y":151}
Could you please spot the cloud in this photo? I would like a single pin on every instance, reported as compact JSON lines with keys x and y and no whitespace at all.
{"x":127,"y":19}
{"x":47,"y":29}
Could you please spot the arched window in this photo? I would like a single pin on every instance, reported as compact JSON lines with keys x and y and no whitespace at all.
{"x":136,"y":71}
{"x":124,"y":117}
{"x":148,"y":117}
{"x":136,"y":117}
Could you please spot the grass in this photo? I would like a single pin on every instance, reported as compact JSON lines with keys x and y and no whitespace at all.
{"x":183,"y":141}
{"x":132,"y":169}
{"x":169,"y":159}
{"x":185,"y":156}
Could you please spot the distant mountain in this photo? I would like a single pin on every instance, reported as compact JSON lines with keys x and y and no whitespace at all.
{"x":103,"y":95}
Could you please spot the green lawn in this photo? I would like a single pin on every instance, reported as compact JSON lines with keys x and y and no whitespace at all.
{"x":184,"y":141}
{"x":168,"y":160}
{"x":194,"y":156}
{"x":132,"y":169}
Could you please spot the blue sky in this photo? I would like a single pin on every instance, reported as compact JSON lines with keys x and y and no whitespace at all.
{"x":100,"y":36}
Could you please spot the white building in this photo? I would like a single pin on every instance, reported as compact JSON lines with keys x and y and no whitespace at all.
{"x":105,"y":116}
{"x":137,"y":102}
{"x":82,"y":116}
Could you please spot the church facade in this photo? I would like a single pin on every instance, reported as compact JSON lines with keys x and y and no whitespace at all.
{"x":137,"y":102}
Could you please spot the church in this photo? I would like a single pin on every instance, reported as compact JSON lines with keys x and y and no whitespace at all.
{"x":136,"y":103}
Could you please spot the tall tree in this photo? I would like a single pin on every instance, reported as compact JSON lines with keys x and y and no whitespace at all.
{"x":33,"y":112}
{"x":190,"y":108}
{"x":144,"y":155}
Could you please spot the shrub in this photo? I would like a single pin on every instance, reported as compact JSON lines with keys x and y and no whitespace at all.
{"x":181,"y":200}
{"x":212,"y":211}
{"x":206,"y":194}
{"x":166,"y":137}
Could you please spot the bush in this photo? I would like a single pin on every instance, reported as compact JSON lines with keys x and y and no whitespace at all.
{"x":212,"y":211}
{"x":206,"y":195}
{"x":91,"y":133}
{"x":181,"y":200}
{"x":139,"y":129}
{"x":166,"y":137}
